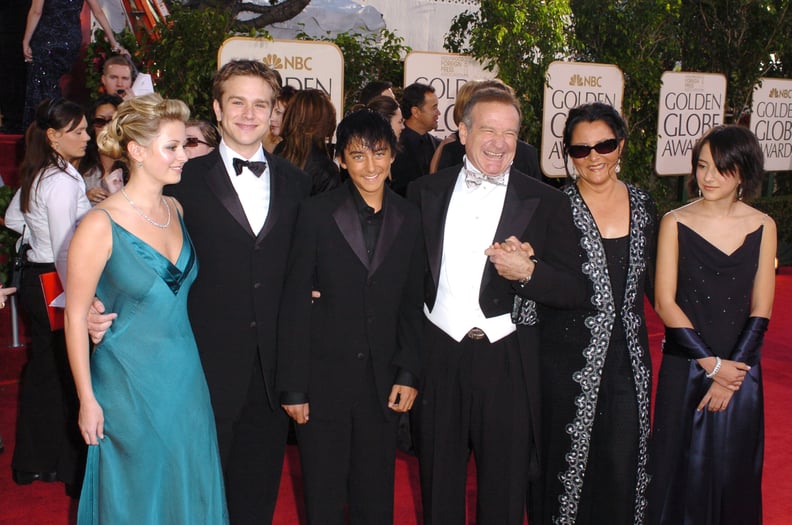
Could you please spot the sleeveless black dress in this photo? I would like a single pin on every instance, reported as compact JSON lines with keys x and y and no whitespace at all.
{"x":55,"y":44}
{"x":708,"y":465}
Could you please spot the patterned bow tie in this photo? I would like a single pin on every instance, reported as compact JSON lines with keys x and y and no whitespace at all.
{"x":474,"y":179}
{"x":257,"y":167}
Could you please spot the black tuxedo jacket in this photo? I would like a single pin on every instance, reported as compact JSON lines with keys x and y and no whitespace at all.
{"x":533,"y":212}
{"x":233,"y":304}
{"x":368,"y":310}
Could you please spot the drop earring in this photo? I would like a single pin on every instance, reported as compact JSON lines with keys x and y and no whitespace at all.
{"x":739,"y":192}
{"x":617,"y":169}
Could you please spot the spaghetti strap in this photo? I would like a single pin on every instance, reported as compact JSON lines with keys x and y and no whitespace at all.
{"x":105,"y":212}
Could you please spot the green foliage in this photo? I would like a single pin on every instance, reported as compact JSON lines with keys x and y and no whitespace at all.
{"x":520,"y":38}
{"x":639,"y":37}
{"x":98,"y":51}
{"x":743,"y":39}
{"x":737,"y":39}
{"x":7,"y":237}
{"x":368,"y":57}
{"x":181,"y":55}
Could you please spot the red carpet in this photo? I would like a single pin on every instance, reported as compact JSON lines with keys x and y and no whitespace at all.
{"x":46,"y":504}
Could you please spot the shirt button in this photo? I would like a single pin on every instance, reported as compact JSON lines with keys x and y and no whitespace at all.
{"x":360,"y":355}
{"x":257,"y":285}
{"x":252,"y":324}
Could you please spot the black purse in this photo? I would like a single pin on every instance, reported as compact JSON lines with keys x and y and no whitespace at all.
{"x":18,"y":264}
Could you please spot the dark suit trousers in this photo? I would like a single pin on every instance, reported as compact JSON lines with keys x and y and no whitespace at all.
{"x":348,"y":457}
{"x":473,"y":398}
{"x":252,"y":444}
{"x":48,"y":438}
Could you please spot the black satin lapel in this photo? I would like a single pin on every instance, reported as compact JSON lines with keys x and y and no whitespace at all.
{"x":518,"y":209}
{"x":391,"y":223}
{"x":217,"y":180}
{"x":434,"y":205}
{"x":348,"y":221}
{"x":273,"y":214}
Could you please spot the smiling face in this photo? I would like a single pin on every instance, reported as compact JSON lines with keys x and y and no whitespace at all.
{"x":595,"y":168}
{"x":425,"y":117}
{"x":491,"y":138}
{"x":368,"y":169}
{"x":713,"y":184}
{"x":243,"y":113}
{"x":164,"y":157}
{"x":70,"y":144}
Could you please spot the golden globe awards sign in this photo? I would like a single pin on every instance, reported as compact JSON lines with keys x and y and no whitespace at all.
{"x":446,"y":73}
{"x":771,"y":122}
{"x":570,"y":84}
{"x":690,"y":104}
{"x":302,"y":64}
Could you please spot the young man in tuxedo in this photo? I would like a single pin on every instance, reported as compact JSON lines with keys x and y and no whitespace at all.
{"x":240,"y":205}
{"x":480,"y":384}
{"x":348,"y":360}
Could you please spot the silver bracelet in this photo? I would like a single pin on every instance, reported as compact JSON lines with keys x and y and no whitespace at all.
{"x":715,"y":370}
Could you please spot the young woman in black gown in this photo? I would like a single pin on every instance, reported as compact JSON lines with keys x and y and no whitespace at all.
{"x":714,"y":292}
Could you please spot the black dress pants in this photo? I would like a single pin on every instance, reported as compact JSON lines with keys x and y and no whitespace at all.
{"x":48,"y":437}
{"x":473,"y":397}
{"x":252,"y":443}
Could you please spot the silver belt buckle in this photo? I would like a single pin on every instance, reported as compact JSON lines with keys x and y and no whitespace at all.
{"x":476,"y":334}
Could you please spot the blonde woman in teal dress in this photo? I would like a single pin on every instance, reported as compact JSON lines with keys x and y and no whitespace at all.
{"x":144,"y":404}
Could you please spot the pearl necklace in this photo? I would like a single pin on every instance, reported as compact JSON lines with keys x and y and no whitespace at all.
{"x":149,"y":219}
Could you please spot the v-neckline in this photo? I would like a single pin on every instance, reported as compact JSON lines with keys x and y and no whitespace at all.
{"x":173,"y":264}
{"x":737,"y":249}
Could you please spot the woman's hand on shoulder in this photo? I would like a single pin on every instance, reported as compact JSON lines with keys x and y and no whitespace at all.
{"x":716,"y":399}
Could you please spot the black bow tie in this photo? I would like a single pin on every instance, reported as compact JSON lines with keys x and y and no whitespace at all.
{"x":257,"y":167}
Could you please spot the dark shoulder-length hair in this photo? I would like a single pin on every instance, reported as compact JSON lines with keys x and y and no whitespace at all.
{"x":736,"y":152}
{"x":309,"y":123}
{"x":58,"y":114}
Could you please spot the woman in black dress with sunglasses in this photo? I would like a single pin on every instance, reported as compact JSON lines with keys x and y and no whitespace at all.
{"x":596,"y":369}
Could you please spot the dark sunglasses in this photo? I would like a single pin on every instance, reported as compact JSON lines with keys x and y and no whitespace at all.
{"x":192,"y":142}
{"x":99,"y":122}
{"x":580,"y":151}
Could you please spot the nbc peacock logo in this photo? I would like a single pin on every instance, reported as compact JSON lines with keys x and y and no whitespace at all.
{"x":273,"y":61}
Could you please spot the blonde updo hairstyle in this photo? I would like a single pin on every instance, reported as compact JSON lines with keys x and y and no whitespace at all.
{"x":139,"y":120}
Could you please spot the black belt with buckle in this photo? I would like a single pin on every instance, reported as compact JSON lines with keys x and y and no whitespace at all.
{"x":477,"y":334}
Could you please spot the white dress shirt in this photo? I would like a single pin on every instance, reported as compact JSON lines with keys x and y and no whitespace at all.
{"x":471,"y":222}
{"x":57,"y":203}
{"x":253,"y":192}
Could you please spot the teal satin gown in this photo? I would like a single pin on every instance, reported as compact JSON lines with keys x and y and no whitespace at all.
{"x":158,"y":462}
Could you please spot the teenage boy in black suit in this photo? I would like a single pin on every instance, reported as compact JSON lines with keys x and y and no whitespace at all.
{"x":348,"y":360}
